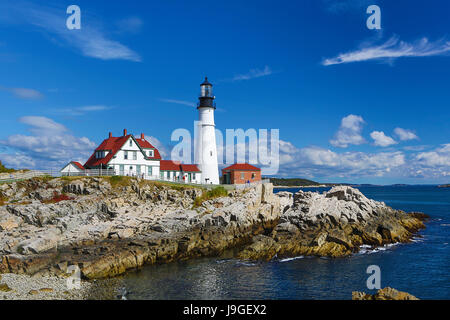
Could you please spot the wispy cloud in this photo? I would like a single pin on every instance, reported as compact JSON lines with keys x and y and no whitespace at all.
{"x":405,"y":134}
{"x":91,"y":40}
{"x":340,"y":6}
{"x":393,"y":48}
{"x":182,"y":102}
{"x":253,"y":73}
{"x":24,"y":93}
{"x":130,"y":25}
{"x":79,"y":111}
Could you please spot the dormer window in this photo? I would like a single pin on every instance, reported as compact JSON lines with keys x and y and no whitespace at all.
{"x":100,"y":154}
{"x":151,"y":153}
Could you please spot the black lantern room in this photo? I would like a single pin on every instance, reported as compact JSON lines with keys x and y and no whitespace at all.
{"x":206,"y":95}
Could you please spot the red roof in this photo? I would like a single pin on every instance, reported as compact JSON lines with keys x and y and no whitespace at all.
{"x":189,"y":168}
{"x":113,"y":144}
{"x":169,"y":165}
{"x":78,"y":165}
{"x":241,"y":167}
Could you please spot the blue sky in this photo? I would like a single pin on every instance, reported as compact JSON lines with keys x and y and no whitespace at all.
{"x":351,"y":104}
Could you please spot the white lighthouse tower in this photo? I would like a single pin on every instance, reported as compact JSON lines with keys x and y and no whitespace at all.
{"x":206,"y":150}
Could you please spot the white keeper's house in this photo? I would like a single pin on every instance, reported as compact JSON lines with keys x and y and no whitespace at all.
{"x":131,"y":156}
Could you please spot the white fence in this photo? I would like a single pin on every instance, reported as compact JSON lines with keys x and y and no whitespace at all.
{"x":23,"y":175}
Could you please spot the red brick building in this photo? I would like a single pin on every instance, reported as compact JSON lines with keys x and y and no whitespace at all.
{"x":240,"y":173}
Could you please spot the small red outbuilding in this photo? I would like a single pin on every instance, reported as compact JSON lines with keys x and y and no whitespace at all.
{"x":240,"y":173}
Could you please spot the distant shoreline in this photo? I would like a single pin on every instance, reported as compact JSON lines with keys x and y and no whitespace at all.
{"x":294,"y":187}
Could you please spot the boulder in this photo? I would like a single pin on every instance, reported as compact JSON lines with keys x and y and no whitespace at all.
{"x":383,"y":294}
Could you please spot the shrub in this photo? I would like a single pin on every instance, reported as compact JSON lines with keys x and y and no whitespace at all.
{"x":119,"y":181}
{"x":58,"y":198}
{"x":210,"y":194}
{"x":3,"y":169}
{"x":2,"y":200}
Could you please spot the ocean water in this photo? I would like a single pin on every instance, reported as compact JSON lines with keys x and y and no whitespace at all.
{"x":421,"y":268}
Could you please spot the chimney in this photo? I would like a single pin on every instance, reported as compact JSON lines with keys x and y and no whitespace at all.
{"x":124,"y":132}
{"x":110,"y":135}
{"x":142,"y":136}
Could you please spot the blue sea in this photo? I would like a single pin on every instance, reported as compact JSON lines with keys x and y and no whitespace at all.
{"x":421,"y":268}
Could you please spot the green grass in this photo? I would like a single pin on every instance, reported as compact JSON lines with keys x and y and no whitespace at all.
{"x":210,"y":194}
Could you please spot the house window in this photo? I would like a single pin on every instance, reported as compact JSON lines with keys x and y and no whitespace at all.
{"x":131,"y":143}
{"x":121,"y":169}
{"x":193,"y":176}
{"x":151,"y":153}
{"x":168,"y":174}
{"x":242,"y":175}
{"x":125,"y":155}
{"x":138,"y":169}
{"x":253,"y":175}
{"x":161,"y":174}
{"x":149,"y":168}
{"x":134,"y":155}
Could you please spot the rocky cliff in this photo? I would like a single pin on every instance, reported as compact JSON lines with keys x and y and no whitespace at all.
{"x":109,"y":225}
{"x":335,"y":223}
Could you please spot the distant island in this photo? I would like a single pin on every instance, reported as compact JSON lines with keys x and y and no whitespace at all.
{"x":299,"y":182}
{"x":291,"y":182}
{"x":444,"y":186}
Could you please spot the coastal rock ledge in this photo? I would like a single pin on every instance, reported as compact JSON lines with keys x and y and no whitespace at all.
{"x":335,"y":224}
{"x":383,"y":294}
{"x":107,"y":226}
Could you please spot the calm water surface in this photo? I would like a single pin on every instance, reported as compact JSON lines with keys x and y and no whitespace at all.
{"x":421,"y":268}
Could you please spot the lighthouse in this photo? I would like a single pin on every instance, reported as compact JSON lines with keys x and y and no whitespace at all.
{"x":206,"y":150}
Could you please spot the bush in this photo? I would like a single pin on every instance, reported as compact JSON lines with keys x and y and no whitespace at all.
{"x":210,"y":194}
{"x":2,"y":200}
{"x":58,"y":198}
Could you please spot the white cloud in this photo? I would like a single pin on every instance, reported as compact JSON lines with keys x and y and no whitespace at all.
{"x":405,"y":134}
{"x":49,"y":146}
{"x":253,"y":73}
{"x":392,"y":49}
{"x":349,"y":132}
{"x":17,"y":160}
{"x":320,"y":162}
{"x":382,"y":140}
{"x":24,"y":93}
{"x":440,"y":157}
{"x":91,"y":40}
